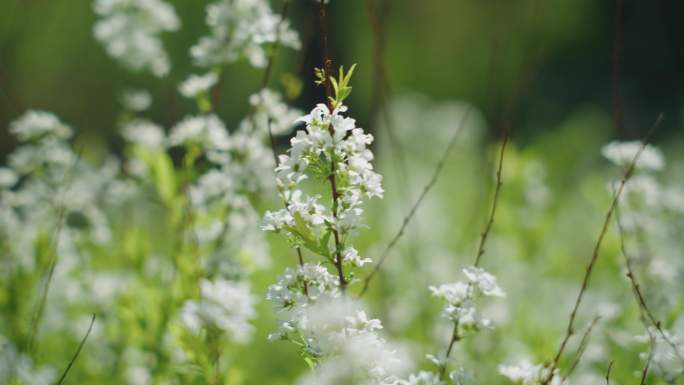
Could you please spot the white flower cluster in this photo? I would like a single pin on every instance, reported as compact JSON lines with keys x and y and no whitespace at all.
{"x":226,"y":305}
{"x":289,"y":292}
{"x":206,"y":131}
{"x":333,"y":332}
{"x":130,"y":29}
{"x":622,"y":153}
{"x":347,"y":345}
{"x":271,"y":112}
{"x":144,"y":133}
{"x":460,"y":297}
{"x":241,"y":28}
{"x":421,"y":378}
{"x":666,"y":355}
{"x":525,"y":373}
{"x":136,"y":100}
{"x":198,"y":84}
{"x":330,"y":143}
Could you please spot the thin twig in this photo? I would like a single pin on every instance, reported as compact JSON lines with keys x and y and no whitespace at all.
{"x":645,"y":312}
{"x":327,"y":65}
{"x":595,"y":254}
{"x":582,"y":346}
{"x":77,"y":352}
{"x":455,"y":337}
{"x":610,"y":368}
{"x":647,"y":365}
{"x":412,"y":212}
{"x":495,"y":200}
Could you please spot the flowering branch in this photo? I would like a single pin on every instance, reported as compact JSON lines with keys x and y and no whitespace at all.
{"x":328,"y":83}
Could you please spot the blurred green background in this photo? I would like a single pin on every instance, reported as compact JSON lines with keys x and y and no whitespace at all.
{"x":544,"y":68}
{"x":542,"y":60}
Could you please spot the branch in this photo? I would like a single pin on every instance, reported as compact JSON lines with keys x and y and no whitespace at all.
{"x":647,"y":365}
{"x":646,"y":315}
{"x":610,"y":368}
{"x":583,"y":345}
{"x":412,"y":212}
{"x":327,"y":65}
{"x":78,"y":351}
{"x":595,"y":254}
{"x":497,"y":190}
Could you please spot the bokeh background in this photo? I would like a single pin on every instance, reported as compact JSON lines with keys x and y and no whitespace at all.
{"x":565,"y":76}
{"x":550,"y":60}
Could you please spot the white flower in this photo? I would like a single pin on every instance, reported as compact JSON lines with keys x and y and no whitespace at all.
{"x":351,"y":256}
{"x":205,"y":130}
{"x":622,"y":154}
{"x":241,"y":28}
{"x":484,"y":280}
{"x":7,"y":177}
{"x":34,"y":124}
{"x":130,"y":29}
{"x":144,"y":133}
{"x":226,"y":305}
{"x":136,"y":100}
{"x":197,"y":84}
{"x":422,"y":378}
{"x":272,"y":111}
{"x":525,"y":373}
{"x":454,"y":293}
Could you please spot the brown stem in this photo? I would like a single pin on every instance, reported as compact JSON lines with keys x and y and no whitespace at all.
{"x":455,"y":337}
{"x":495,"y":200}
{"x":327,"y":65}
{"x":582,"y":346}
{"x":647,"y":365}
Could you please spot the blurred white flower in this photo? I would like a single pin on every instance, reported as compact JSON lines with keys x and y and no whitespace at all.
{"x":241,"y":28}
{"x":130,"y":29}
{"x":622,"y":154}
{"x":136,"y":100}
{"x":226,"y":305}
{"x":198,"y":84}
{"x":145,"y":133}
